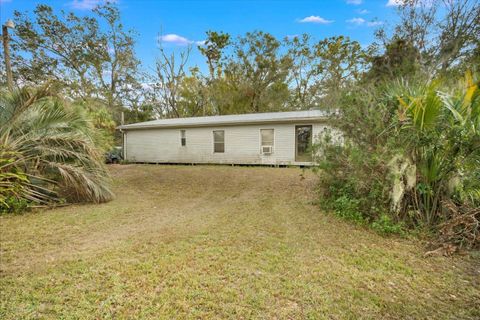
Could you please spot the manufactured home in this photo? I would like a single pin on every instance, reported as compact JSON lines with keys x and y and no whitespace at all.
{"x":276,"y":138}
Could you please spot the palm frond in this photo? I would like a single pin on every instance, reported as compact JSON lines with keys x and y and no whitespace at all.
{"x":54,"y":147}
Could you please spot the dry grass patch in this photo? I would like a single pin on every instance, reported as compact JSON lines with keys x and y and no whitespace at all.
{"x":220,"y":242}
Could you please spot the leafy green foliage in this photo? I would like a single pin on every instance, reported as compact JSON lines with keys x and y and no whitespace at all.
{"x":406,"y":150}
{"x":14,"y":184}
{"x":48,"y":150}
{"x":443,"y":133}
{"x":264,"y":74}
{"x":319,"y":69}
{"x":91,"y":57}
{"x":261,"y":71}
{"x":212,"y":49}
{"x":139,"y":113}
{"x":400,"y":59}
{"x":385,"y":225}
{"x":13,"y":204}
{"x":348,"y":208}
{"x":342,"y":61}
{"x":444,"y":33}
{"x":101,"y":119}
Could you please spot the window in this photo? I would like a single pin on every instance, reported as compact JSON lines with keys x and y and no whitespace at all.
{"x":183,"y":138}
{"x":219,"y":141}
{"x":267,"y":137}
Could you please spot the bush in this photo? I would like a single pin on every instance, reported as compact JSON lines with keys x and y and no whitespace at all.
{"x":406,"y":149}
{"x":347,"y":208}
{"x":14,"y":184}
{"x":14,"y":205}
{"x":47,"y":151}
{"x":385,"y":225}
{"x":351,"y":180}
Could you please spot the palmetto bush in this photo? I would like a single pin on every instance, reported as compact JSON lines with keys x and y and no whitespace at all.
{"x":410,"y":151}
{"x":47,"y":151}
{"x":440,"y":129}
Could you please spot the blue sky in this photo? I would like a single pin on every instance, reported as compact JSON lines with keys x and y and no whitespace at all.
{"x":182,"y":22}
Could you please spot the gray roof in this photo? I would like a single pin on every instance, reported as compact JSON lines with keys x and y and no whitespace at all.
{"x":249,"y":118}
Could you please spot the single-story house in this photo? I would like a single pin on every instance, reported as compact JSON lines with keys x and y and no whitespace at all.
{"x":275,"y":138}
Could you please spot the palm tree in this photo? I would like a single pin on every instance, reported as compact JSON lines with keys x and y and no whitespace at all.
{"x":51,"y":143}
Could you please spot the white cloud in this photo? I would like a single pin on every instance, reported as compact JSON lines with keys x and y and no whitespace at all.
{"x":357,"y":21}
{"x":178,"y":40}
{"x":315,"y":19}
{"x":363,"y":11}
{"x":374,"y":23}
{"x":395,"y":3}
{"x":362,"y":22}
{"x":420,"y":3}
{"x":87,"y":4}
{"x":175,"y":39}
{"x":354,"y":2}
{"x":5,"y":1}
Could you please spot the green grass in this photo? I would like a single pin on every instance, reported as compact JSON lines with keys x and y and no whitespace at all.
{"x":220,"y":242}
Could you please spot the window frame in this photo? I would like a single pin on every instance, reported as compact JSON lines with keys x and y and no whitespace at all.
{"x":215,"y":143}
{"x":273,"y":139}
{"x":183,"y":138}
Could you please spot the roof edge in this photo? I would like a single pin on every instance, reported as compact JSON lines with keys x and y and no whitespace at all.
{"x":135,"y":126}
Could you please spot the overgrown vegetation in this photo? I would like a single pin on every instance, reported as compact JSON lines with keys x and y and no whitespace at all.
{"x":47,"y":152}
{"x":409,"y":154}
{"x":406,"y":151}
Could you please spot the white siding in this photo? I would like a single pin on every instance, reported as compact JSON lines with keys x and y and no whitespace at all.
{"x":242,"y":145}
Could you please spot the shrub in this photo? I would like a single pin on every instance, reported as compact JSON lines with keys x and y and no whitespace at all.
{"x":13,"y":205}
{"x":347,"y":208}
{"x":407,"y":149}
{"x":48,"y":151}
{"x":15,"y":189}
{"x":385,"y":225}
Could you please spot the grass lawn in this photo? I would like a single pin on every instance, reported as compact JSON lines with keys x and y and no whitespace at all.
{"x":209,"y":242}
